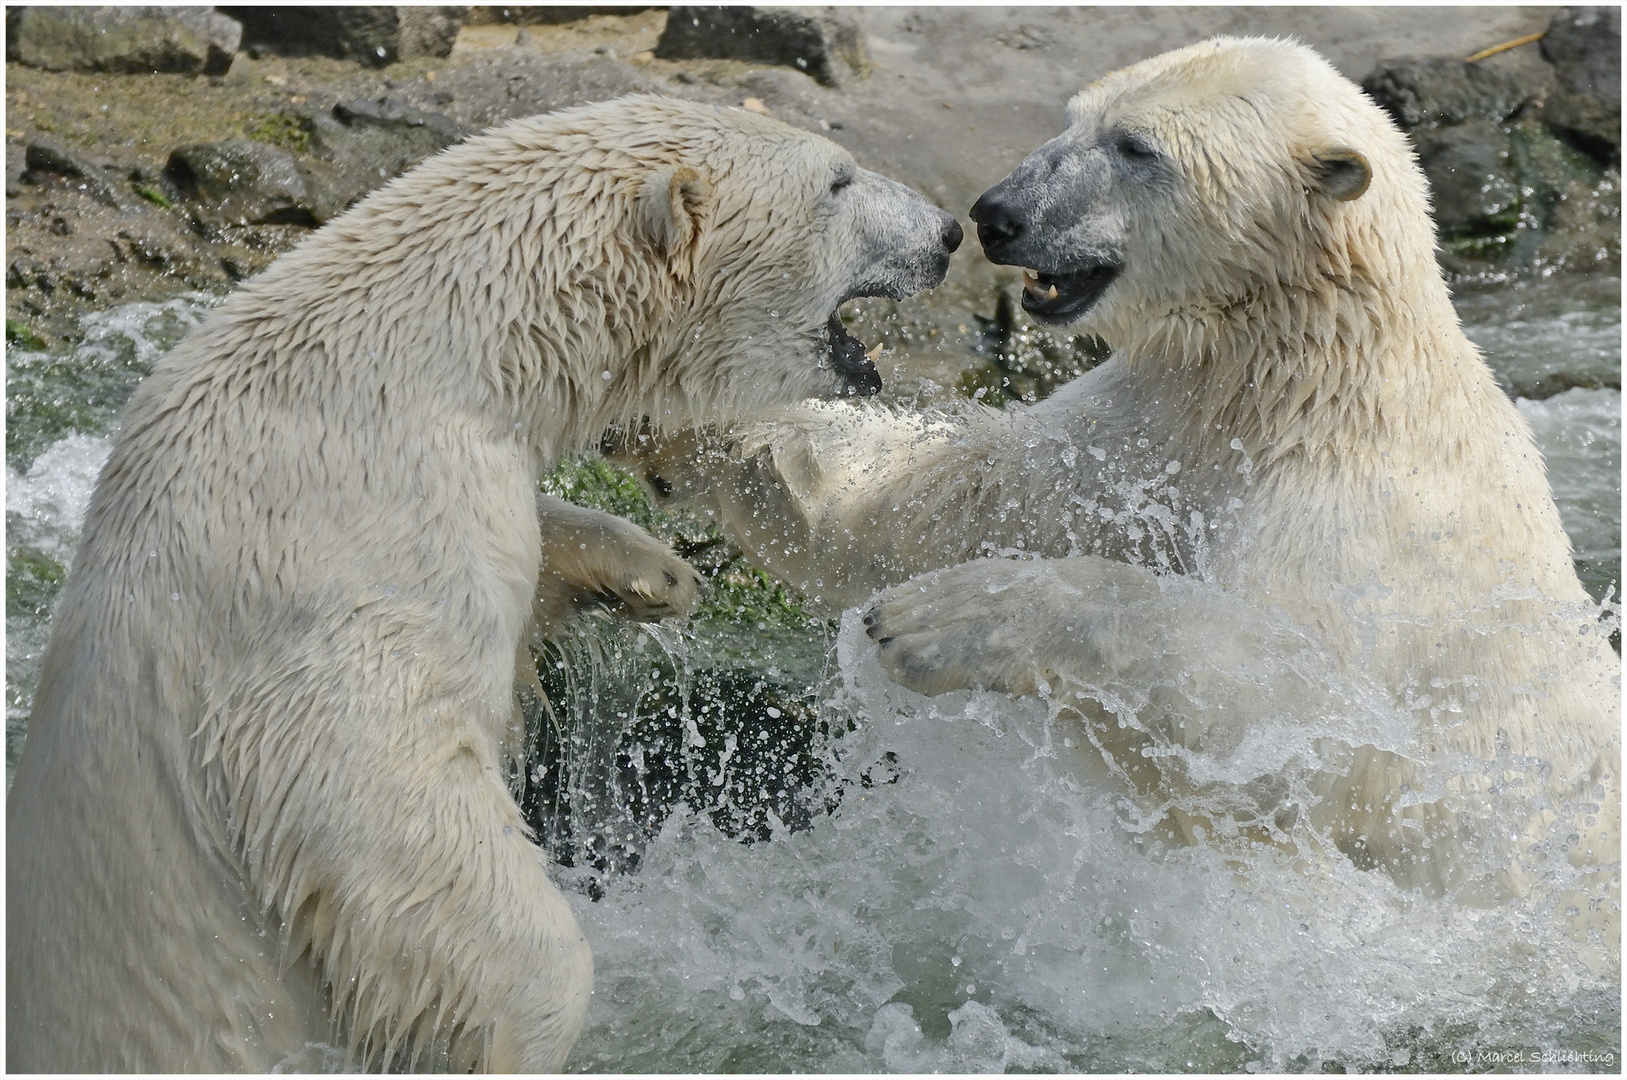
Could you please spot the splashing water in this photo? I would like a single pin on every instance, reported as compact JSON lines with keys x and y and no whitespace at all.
{"x":59,"y":409}
{"x":935,"y":885}
{"x":984,"y":908}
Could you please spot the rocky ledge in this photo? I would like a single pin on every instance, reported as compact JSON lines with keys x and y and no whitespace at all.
{"x":153,"y":151}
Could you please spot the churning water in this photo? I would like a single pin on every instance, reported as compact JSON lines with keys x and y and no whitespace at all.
{"x":905,"y":884}
{"x":973,"y":906}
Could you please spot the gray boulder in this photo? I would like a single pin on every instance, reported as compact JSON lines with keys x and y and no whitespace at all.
{"x":819,"y":41}
{"x":359,"y":145}
{"x":239,"y":182}
{"x":1443,"y":91}
{"x":45,"y":158}
{"x":188,"y":40}
{"x":1584,"y":46}
{"x":371,"y":35}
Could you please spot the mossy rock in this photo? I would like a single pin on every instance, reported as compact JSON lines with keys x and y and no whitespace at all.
{"x":632,"y":726}
{"x":33,"y":580}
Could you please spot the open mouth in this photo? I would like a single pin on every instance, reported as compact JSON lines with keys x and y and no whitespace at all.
{"x":854,"y":366}
{"x":1061,"y":297}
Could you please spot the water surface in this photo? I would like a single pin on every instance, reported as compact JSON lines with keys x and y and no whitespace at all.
{"x":970,"y":904}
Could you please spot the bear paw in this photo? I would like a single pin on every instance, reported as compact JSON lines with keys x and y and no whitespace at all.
{"x":646,"y":587}
{"x":1016,"y":625}
{"x":594,"y":559}
{"x":964,"y":628}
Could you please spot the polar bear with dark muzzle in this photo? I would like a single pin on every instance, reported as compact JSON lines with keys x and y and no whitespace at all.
{"x":1295,"y":484}
{"x":262,"y":804}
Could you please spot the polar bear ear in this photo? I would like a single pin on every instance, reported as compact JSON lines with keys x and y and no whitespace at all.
{"x":670,"y":203}
{"x":1340,"y":172}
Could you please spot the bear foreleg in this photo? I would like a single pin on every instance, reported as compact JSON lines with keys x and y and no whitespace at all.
{"x":466,"y":954}
{"x":591,"y":557}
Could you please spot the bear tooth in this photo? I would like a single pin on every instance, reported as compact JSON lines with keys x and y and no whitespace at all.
{"x":1030,"y":281}
{"x":1050,"y":294}
{"x":873,"y":353}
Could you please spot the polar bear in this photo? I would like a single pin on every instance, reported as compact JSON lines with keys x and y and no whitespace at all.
{"x":1294,"y":465}
{"x":262,"y":807}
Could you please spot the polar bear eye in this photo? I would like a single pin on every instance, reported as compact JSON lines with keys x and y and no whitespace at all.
{"x":843,"y":179}
{"x":1135,"y":148}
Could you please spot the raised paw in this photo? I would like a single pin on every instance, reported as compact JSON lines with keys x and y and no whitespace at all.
{"x":964,"y":628}
{"x":591,"y":559}
{"x":655,"y":585}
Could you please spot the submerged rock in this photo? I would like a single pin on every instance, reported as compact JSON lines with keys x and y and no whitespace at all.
{"x":187,"y":40}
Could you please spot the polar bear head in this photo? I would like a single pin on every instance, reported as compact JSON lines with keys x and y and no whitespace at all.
{"x":1202,"y":178}
{"x":636,"y":260}
{"x":684,"y":263}
{"x":776,"y":228}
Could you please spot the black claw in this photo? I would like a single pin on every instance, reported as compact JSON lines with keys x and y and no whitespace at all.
{"x":883,"y":640}
{"x":870,"y":617}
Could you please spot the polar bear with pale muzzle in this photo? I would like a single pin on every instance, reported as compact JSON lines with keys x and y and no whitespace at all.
{"x":262,"y":805}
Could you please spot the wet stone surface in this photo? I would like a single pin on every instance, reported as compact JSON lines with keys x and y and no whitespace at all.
{"x":1514,"y":196}
{"x":1523,"y":165}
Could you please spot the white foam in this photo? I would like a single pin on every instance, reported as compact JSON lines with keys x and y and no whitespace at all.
{"x":46,"y":508}
{"x":995,"y":892}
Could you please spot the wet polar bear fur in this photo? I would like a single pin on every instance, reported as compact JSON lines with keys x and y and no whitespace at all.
{"x":262,"y":804}
{"x":1294,"y":494}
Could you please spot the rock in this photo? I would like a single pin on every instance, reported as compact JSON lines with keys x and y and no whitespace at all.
{"x":45,"y":158}
{"x":372,"y":35}
{"x":819,"y":41}
{"x":15,"y":168}
{"x":528,"y":15}
{"x":1443,"y":91}
{"x":1470,"y":177}
{"x":360,"y":145}
{"x":389,"y":114}
{"x":1584,"y":46}
{"x":1518,"y":195}
{"x":240,"y":182}
{"x":188,"y":40}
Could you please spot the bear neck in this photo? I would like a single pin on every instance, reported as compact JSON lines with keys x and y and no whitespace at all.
{"x":1323,"y":372}
{"x":543,"y":333}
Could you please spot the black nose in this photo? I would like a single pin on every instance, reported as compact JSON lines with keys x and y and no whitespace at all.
{"x":952,"y":235}
{"x":997,"y":223}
